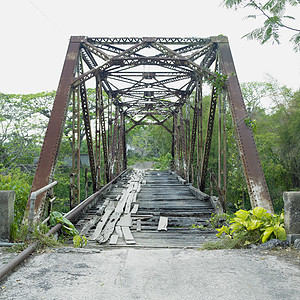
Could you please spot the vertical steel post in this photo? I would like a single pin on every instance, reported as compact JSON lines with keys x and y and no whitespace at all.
{"x":75,"y":188}
{"x":210,"y":125}
{"x":224,"y":150}
{"x":177,"y":143}
{"x":194,"y":135}
{"x":88,"y":130}
{"x":98,"y":134}
{"x":173,"y":144}
{"x":114,"y":144}
{"x":124,"y":141}
{"x":219,"y":140}
{"x":103,"y":133}
{"x":199,"y":133}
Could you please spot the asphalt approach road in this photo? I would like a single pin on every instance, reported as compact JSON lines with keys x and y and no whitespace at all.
{"x":128,"y":273}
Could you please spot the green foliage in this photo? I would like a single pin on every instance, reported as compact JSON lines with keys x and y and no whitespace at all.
{"x":148,"y":141}
{"x":22,"y":124}
{"x":67,"y":226}
{"x":251,"y":124}
{"x":273,"y":12}
{"x":254,"y":226}
{"x":198,"y":227}
{"x":218,"y":220}
{"x":220,"y":81}
{"x":225,"y":243}
{"x":163,"y":163}
{"x":26,"y":235}
{"x":17,"y":181}
{"x":79,"y":241}
{"x":278,"y":145}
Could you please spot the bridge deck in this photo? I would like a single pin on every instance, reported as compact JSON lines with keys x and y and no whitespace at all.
{"x":160,"y":195}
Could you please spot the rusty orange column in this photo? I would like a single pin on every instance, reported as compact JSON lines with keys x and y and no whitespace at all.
{"x":257,"y":186}
{"x":52,"y":140}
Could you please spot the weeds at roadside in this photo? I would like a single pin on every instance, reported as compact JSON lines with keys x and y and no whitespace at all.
{"x":24,"y":236}
{"x":248,"y":227}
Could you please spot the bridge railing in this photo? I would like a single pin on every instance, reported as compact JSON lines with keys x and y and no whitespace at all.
{"x":33,"y":199}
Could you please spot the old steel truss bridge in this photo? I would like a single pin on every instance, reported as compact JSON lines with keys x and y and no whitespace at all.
{"x":150,"y":80}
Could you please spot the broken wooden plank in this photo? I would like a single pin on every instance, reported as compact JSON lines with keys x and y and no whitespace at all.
{"x":163,"y":223}
{"x":122,"y":202}
{"x":130,"y":242}
{"x":113,"y":239}
{"x":108,"y":211}
{"x":135,"y":209}
{"x":135,"y":216}
{"x":109,"y":227}
{"x":87,"y":226}
{"x":129,"y":239}
{"x":101,"y":210}
{"x":118,"y":231}
{"x":134,"y":197}
{"x":125,"y":221}
{"x":128,"y":203}
{"x":139,"y":225}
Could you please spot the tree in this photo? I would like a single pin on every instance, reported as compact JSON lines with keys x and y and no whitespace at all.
{"x":23,"y":121}
{"x":276,"y":135}
{"x":273,"y":12}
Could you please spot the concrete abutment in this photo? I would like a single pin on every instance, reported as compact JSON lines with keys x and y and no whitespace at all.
{"x":292,"y":215}
{"x":7,"y":200}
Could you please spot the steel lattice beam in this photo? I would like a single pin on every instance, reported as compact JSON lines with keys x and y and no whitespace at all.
{"x":144,"y":85}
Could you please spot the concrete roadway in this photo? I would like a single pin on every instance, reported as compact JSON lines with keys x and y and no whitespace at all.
{"x":128,"y":273}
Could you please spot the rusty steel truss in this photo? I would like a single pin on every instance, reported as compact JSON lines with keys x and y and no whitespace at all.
{"x":157,"y":79}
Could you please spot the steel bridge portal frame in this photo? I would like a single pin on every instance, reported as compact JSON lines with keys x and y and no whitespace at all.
{"x":142,"y":79}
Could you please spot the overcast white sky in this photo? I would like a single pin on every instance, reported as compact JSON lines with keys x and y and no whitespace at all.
{"x":35,"y":36}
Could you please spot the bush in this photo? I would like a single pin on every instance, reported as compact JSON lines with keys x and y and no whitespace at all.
{"x":17,"y":181}
{"x":163,"y":163}
{"x":218,"y":220}
{"x":254,"y":226}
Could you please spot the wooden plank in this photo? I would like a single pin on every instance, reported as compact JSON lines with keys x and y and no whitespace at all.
{"x":101,"y":210}
{"x":129,"y":239}
{"x":135,"y":187}
{"x":125,"y":221}
{"x":113,"y":239}
{"x":108,"y":211}
{"x":122,"y":202}
{"x":128,"y":203}
{"x":139,"y":225}
{"x":130,"y":242}
{"x":118,"y":231}
{"x":163,"y":223}
{"x":95,"y":219}
{"x":134,"y":197}
{"x":87,"y":226}
{"x":141,"y":216}
{"x":135,"y":209}
{"x":109,"y":228}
